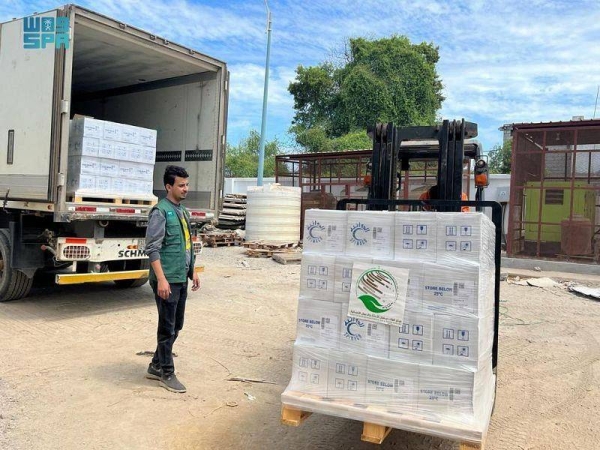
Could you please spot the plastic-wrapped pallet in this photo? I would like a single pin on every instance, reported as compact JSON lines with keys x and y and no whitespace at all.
{"x":447,"y":402}
{"x":426,"y":367}
{"x":110,"y":160}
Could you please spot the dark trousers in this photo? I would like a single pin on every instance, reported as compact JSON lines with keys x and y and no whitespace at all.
{"x":170,"y":321}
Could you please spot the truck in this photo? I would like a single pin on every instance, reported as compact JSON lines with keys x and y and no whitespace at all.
{"x":70,"y":62}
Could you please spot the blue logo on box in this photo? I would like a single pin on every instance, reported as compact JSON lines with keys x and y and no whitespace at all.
{"x":41,"y":32}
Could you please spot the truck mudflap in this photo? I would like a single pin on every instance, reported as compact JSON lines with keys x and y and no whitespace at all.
{"x":79,"y":278}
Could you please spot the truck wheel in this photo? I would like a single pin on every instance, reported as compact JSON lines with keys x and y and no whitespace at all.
{"x":14,"y":284}
{"x":134,"y":265}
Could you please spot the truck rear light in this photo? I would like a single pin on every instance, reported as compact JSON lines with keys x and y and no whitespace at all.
{"x":85,"y":208}
{"x":76,"y":252}
{"x":198,"y":214}
{"x":125,"y":210}
{"x":76,"y":240}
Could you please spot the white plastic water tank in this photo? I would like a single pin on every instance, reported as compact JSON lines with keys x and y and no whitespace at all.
{"x":273,"y":213}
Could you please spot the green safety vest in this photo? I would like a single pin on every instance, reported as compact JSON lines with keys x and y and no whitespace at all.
{"x":172,"y":253}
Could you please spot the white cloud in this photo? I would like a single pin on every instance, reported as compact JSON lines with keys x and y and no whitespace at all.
{"x":500,"y":61}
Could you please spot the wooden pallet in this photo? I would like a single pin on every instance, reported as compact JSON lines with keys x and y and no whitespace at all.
{"x":220,"y":239}
{"x":263,"y":252}
{"x":270,"y":245}
{"x":372,"y":432}
{"x":112,"y":200}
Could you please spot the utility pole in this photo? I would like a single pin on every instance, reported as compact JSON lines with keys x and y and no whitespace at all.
{"x":263,"y":126}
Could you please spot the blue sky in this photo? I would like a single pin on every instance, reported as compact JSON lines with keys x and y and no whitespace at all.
{"x":501,"y":61}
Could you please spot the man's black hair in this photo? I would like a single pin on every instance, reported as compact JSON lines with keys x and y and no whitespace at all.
{"x":434,"y":192}
{"x":174,"y":171}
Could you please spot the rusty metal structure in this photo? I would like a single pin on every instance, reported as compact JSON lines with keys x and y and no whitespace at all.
{"x":555,"y":191}
{"x":326,"y":178}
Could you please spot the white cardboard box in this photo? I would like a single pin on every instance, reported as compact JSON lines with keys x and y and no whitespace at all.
{"x":465,"y":236}
{"x":112,"y":131}
{"x":129,"y":134}
{"x":462,"y":342}
{"x":317,"y":277}
{"x":324,"y":231}
{"x":347,"y":376}
{"x":84,"y":146}
{"x":463,"y":288}
{"x":370,"y":234}
{"x":86,"y":127}
{"x":318,"y":323}
{"x":126,"y":169}
{"x":413,"y":340}
{"x":363,"y":336}
{"x":135,"y":153}
{"x":82,"y":184}
{"x":147,"y":137}
{"x":107,"y":149}
{"x":415,"y":236}
{"x":309,"y":370}
{"x":146,"y":187}
{"x":144,"y":172}
{"x":392,"y":383}
{"x":148,"y":155}
{"x":121,"y":151}
{"x":343,"y":276}
{"x":83,"y":165}
{"x":109,"y":168}
{"x":104,"y":185}
{"x":458,"y":395}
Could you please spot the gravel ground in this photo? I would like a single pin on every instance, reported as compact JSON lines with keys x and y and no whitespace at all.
{"x":71,"y":376}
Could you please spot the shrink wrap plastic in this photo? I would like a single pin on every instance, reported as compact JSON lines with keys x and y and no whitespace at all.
{"x":431,"y":374}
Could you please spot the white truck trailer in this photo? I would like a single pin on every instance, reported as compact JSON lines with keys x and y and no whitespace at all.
{"x":72,"y":61}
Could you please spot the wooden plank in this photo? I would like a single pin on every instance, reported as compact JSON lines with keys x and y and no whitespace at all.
{"x":284,"y":258}
{"x":470,"y":446}
{"x":374,"y":433}
{"x":293,"y":417}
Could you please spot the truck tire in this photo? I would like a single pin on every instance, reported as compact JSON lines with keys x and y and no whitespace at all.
{"x":141,"y":265}
{"x":14,"y":284}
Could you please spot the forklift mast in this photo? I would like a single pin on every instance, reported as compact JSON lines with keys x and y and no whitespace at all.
{"x":448,"y":147}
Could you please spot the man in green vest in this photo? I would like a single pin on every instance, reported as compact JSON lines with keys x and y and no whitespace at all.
{"x":170,"y":251}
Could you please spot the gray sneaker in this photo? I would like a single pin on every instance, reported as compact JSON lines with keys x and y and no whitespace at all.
{"x":154,"y":372}
{"x":171,"y":383}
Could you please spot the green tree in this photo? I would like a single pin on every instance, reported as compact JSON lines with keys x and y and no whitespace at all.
{"x":500,"y":157}
{"x":242,"y":160}
{"x":384,"y":80}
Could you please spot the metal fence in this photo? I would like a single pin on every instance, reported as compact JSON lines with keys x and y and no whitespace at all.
{"x":555,"y":191}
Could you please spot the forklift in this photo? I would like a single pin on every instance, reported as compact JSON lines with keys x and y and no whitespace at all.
{"x":451,"y":144}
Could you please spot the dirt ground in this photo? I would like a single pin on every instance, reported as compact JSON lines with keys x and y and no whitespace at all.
{"x":70,"y":376}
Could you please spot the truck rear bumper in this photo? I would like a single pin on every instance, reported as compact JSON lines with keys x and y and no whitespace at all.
{"x":79,"y":278}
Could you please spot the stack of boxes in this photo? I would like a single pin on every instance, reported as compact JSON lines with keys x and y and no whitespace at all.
{"x":435,"y":364}
{"x":110,"y":159}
